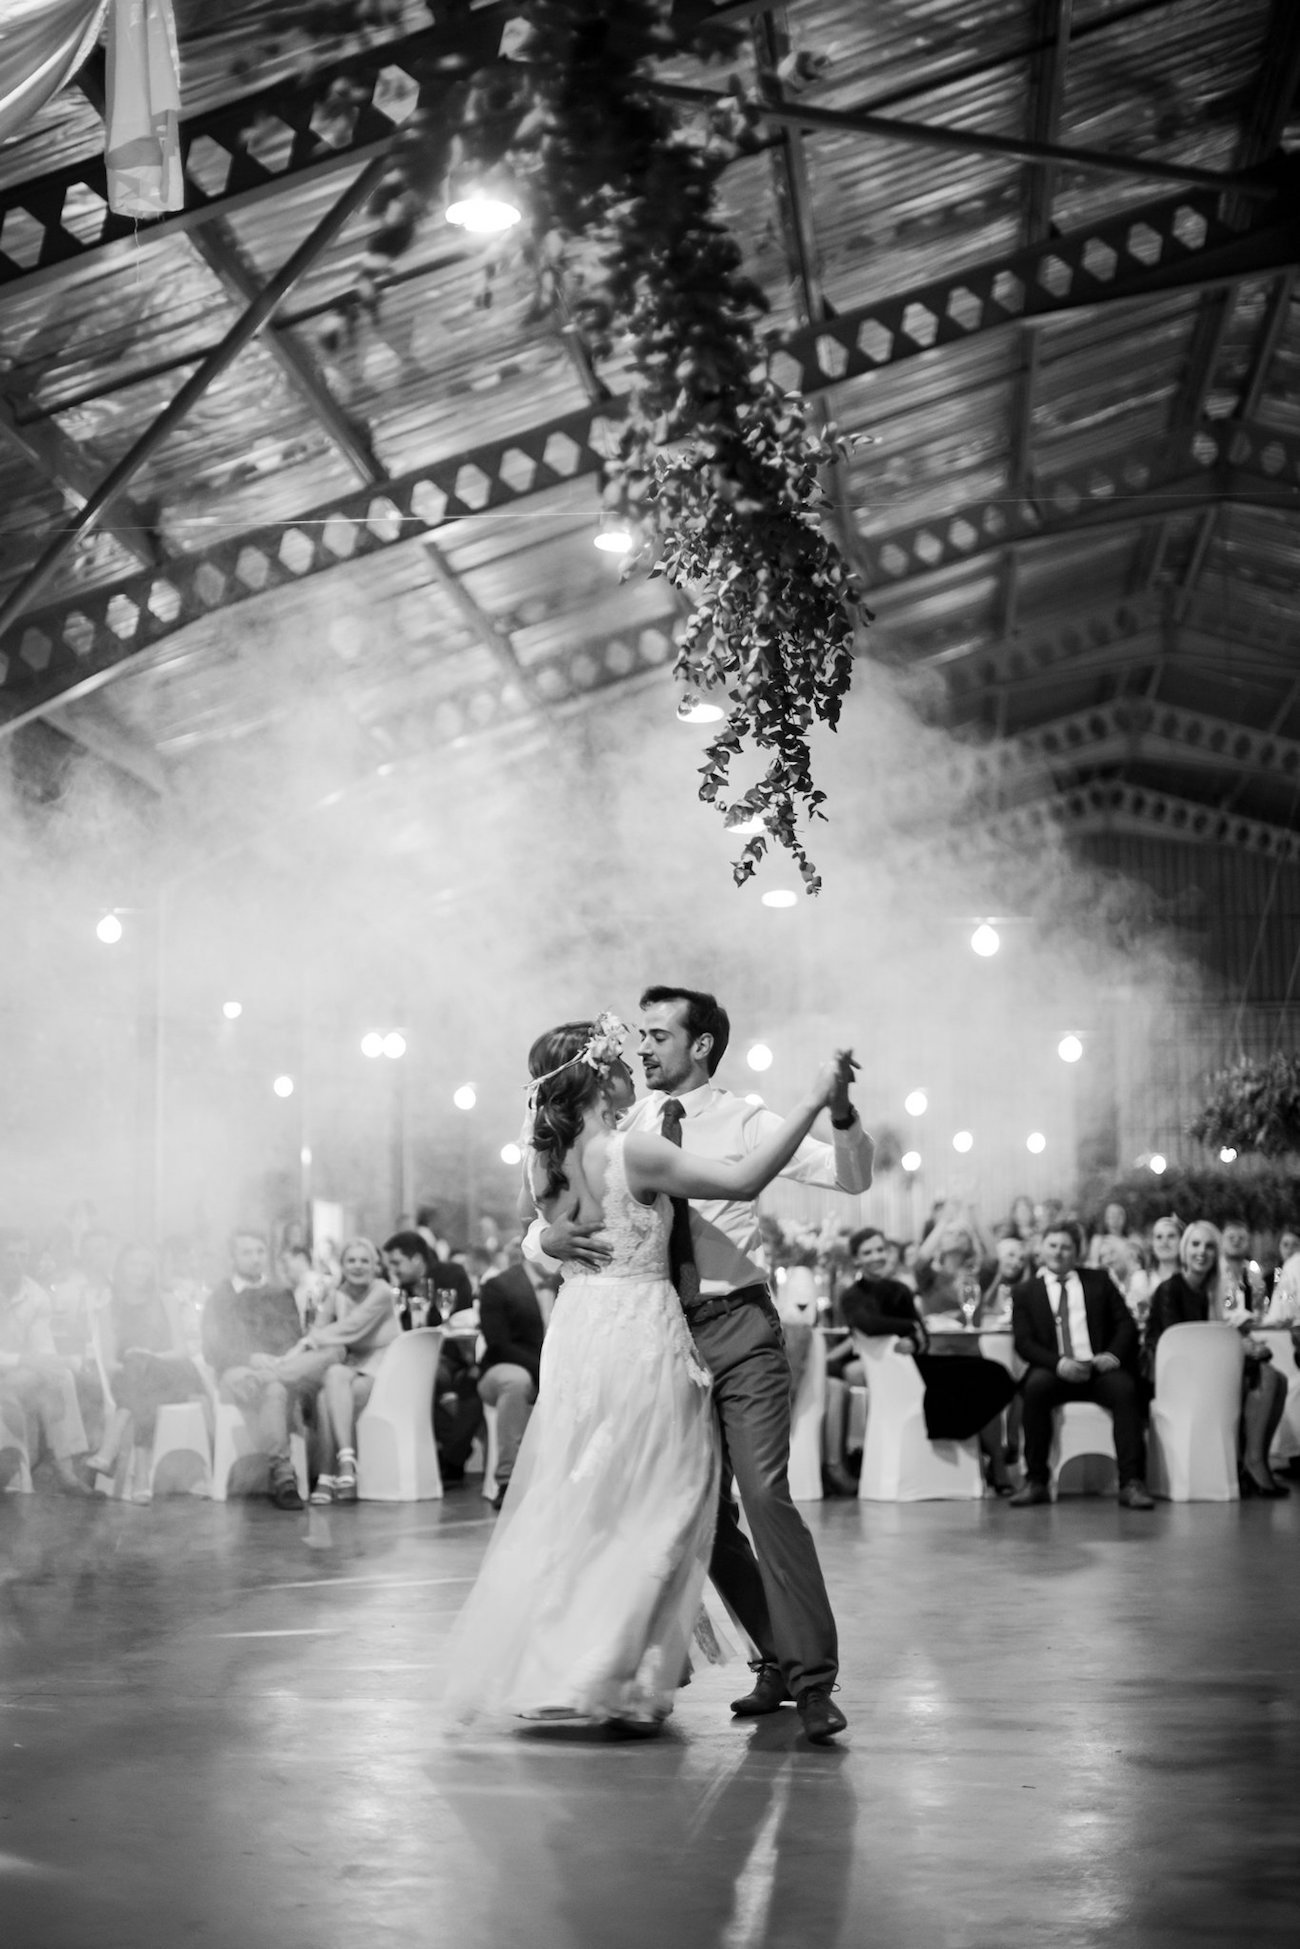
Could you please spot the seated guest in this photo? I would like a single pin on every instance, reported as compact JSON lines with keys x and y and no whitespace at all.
{"x":1284,"y":1303}
{"x":1079,"y":1342}
{"x":251,"y":1332}
{"x":948,"y":1265}
{"x":142,"y":1347}
{"x":964,"y":1395}
{"x":1241,"y":1278}
{"x":1113,"y":1231}
{"x":36,"y":1387}
{"x":1163,"y":1263}
{"x":1202,"y":1289}
{"x":357,"y":1320}
{"x":431,"y":1291}
{"x":514,"y":1308}
{"x":995,"y":1301}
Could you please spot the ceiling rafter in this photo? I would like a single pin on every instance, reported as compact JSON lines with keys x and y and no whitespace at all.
{"x":1111,"y":807}
{"x":1178,"y":241}
{"x":1125,"y":730}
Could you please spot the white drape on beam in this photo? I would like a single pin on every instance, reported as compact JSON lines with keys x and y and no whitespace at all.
{"x":142,"y":144}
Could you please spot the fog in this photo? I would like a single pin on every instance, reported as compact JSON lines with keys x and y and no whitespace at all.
{"x":474,"y":895}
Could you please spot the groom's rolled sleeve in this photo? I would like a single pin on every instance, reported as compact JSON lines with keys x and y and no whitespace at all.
{"x":533,"y":1252}
{"x":845,"y":1164}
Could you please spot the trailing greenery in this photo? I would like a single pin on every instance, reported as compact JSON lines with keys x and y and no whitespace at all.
{"x":1254,"y":1107}
{"x":716,"y":470}
{"x":1266,"y":1199}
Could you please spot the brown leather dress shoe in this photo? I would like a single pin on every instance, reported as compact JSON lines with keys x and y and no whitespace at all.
{"x":769,"y":1692}
{"x":822,"y":1718}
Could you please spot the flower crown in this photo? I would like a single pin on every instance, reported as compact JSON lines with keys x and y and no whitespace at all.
{"x":602,"y":1049}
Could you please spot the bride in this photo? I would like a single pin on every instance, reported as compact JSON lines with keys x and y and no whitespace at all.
{"x":588,"y":1595}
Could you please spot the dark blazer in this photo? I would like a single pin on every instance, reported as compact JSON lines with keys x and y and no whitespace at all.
{"x":878,"y":1306}
{"x":1111,"y":1327}
{"x":510,"y":1321}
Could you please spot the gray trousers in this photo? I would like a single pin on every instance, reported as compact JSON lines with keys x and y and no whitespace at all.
{"x":779,"y":1595}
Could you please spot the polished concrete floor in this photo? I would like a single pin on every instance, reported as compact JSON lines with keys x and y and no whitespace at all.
{"x":1068,"y":1726}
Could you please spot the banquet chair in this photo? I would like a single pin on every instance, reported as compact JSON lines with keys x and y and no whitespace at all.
{"x":397,"y":1459}
{"x":1082,"y":1457}
{"x":1192,"y":1446}
{"x":15,"y":1462}
{"x":808,"y":1414}
{"x":899,"y":1461}
{"x":238,"y":1467}
{"x":181,"y":1462}
{"x":1286,"y":1442}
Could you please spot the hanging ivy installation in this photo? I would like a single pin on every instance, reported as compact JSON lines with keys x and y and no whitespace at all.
{"x":715,"y":469}
{"x":1253,"y":1106}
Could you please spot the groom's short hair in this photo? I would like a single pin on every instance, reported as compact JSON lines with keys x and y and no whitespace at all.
{"x":705,"y":1015}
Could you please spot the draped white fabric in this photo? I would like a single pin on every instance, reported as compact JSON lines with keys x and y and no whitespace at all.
{"x":42,"y":44}
{"x":142,"y":144}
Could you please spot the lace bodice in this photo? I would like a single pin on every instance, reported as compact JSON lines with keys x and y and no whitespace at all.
{"x":638,"y":1233}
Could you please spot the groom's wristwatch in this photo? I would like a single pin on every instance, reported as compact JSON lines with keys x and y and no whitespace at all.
{"x":844,"y":1123}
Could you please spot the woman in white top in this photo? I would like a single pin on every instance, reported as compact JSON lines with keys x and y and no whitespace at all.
{"x":358,"y":1320}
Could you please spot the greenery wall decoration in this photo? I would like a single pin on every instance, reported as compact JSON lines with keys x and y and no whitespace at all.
{"x":716,"y":470}
{"x":1267,"y":1199}
{"x":1253,"y":1107}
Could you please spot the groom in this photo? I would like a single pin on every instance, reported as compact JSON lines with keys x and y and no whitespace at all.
{"x":780,"y":1595}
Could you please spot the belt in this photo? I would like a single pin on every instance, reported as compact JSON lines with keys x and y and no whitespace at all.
{"x":714,"y":1305}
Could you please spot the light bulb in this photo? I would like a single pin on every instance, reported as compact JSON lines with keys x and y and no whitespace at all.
{"x":986,"y":940}
{"x":963,"y":1141}
{"x":759,"y":1057}
{"x":695,"y":710}
{"x":756,"y":823}
{"x":482,"y":214}
{"x":916,"y":1104}
{"x":1036,"y":1142}
{"x":755,"y":1099}
{"x":614,"y":540}
{"x":304,"y":1156}
{"x":465,"y":1097}
{"x":1069,"y":1048}
{"x":911,"y":1160}
{"x":1157,"y":1163}
{"x":511,"y":1154}
{"x":394,"y":1045}
{"x":109,"y":930}
{"x":780,"y":897}
{"x":372,"y":1045}
{"x":1227,"y":1155}
{"x":283,"y":1086}
{"x":232,"y":1010}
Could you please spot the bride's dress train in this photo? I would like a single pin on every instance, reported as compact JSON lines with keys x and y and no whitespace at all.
{"x":590,"y":1589}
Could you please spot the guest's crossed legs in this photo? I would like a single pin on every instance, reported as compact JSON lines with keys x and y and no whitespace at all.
{"x":780,"y":1598}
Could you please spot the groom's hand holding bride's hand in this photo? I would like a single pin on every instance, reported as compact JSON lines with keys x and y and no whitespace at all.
{"x":839,"y":1101}
{"x":575,"y":1244}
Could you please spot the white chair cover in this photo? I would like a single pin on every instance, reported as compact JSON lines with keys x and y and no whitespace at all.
{"x":1194,"y":1417}
{"x":181,"y":1463}
{"x":1082,"y":1458}
{"x":1286,"y":1442}
{"x":899,"y":1461}
{"x":13,"y":1442}
{"x":807,"y":1417}
{"x":233,"y":1443}
{"x":397,"y":1460}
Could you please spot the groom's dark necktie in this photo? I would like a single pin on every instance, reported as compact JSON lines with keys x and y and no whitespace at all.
{"x":682,"y":1268}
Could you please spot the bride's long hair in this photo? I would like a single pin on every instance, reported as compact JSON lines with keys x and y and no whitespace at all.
{"x":562,"y":1100}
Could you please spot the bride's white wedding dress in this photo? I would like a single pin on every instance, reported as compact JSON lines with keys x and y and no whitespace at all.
{"x":589,"y":1592}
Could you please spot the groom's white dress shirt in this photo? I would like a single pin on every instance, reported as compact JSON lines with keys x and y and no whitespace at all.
{"x":724,"y":1232}
{"x":1068,"y":1292}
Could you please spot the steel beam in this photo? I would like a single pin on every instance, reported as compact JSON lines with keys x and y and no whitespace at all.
{"x":1157,"y":247}
{"x":491,"y":634}
{"x":981,"y":142}
{"x":46,"y":447}
{"x":220,"y":251}
{"x":1132,"y":811}
{"x":244,"y":330}
{"x":1124,"y":731}
{"x":239,"y":154}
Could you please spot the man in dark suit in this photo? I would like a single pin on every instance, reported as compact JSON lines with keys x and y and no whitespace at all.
{"x":1080,"y":1343}
{"x":513,"y":1310}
